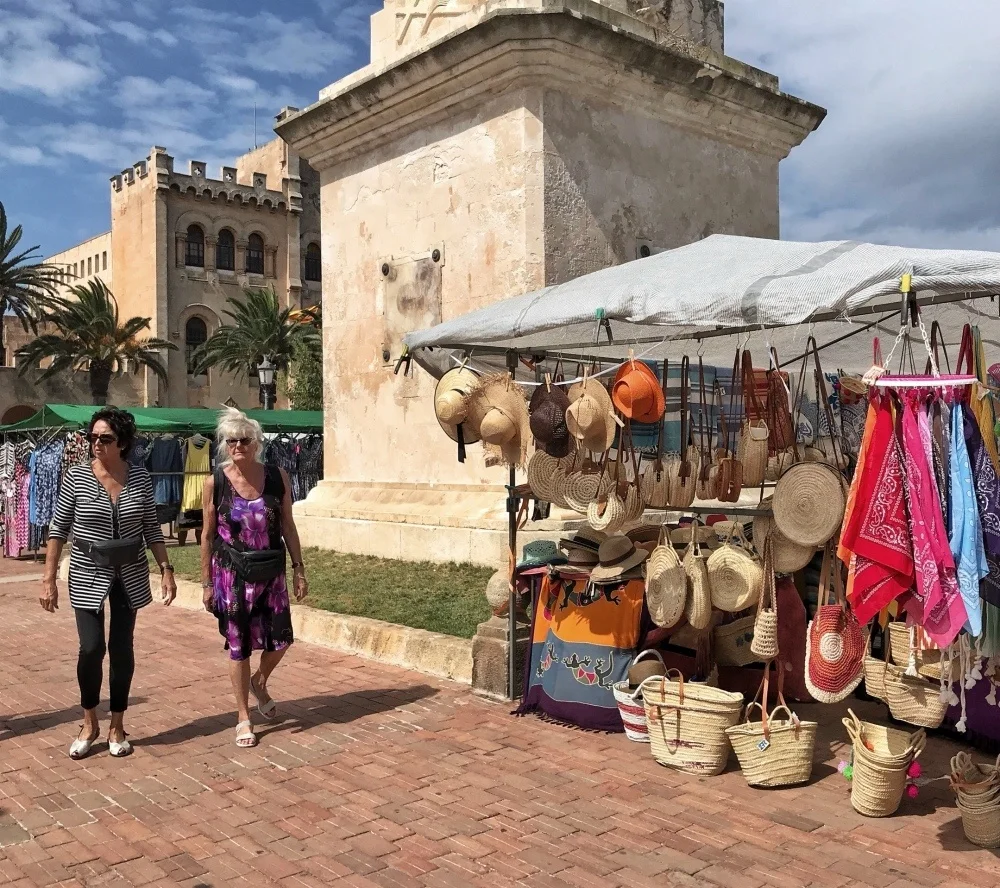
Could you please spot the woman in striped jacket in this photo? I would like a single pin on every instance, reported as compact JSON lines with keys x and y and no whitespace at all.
{"x":107,"y":506}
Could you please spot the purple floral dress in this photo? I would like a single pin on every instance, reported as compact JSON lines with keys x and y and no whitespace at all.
{"x":251,"y":525}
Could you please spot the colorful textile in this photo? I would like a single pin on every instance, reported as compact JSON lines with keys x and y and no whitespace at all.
{"x":262,"y":620}
{"x":878,"y":533}
{"x":166,"y":467}
{"x":935,"y":601}
{"x":46,"y":467}
{"x":583,"y":639}
{"x":987,"y":487}
{"x":197,"y":468}
{"x":966,"y":536}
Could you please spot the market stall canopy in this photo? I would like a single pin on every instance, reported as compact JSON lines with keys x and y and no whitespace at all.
{"x":167,"y":419}
{"x":721,"y":282}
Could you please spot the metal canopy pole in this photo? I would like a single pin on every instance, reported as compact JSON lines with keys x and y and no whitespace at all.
{"x":513,"y":501}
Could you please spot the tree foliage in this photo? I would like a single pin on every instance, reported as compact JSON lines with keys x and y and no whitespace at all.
{"x":27,"y":286}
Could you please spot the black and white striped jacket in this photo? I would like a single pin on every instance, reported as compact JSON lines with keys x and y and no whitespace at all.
{"x":84,"y":509}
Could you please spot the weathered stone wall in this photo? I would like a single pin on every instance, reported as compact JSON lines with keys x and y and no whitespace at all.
{"x":64,"y":388}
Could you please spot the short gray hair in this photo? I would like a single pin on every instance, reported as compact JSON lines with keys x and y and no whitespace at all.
{"x":235,"y":423}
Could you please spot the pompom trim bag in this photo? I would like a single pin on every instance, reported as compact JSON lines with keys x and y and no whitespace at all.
{"x":835,"y":644}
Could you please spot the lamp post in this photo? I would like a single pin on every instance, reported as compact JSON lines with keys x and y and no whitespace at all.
{"x":265,"y":374}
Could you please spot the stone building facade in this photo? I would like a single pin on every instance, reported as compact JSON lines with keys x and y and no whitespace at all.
{"x":490,"y":148}
{"x":182,"y":243}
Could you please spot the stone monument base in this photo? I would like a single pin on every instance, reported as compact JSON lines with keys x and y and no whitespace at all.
{"x":437,"y":523}
{"x":490,"y":648}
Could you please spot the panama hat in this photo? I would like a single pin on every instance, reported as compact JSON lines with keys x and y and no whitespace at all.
{"x":449,"y":406}
{"x":618,"y":555}
{"x":585,"y":538}
{"x":547,"y":410}
{"x":590,"y":415}
{"x":637,"y":393}
{"x":497,"y":413}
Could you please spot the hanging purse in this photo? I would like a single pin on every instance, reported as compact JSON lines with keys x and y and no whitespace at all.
{"x":735,"y":574}
{"x":765,"y":625}
{"x":699,"y":597}
{"x":682,"y":471}
{"x":655,"y":486}
{"x":730,"y":468}
{"x":606,"y":512}
{"x":781,"y":427}
{"x":752,"y":447}
{"x":835,"y":644}
{"x":666,"y":584}
{"x":707,"y":487}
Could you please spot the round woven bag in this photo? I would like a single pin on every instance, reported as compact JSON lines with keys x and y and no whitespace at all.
{"x":655,"y":487}
{"x":809,"y":502}
{"x":788,"y":557}
{"x":540,"y":469}
{"x":609,"y":516}
{"x":666,"y":584}
{"x":735,"y":574}
{"x":580,"y":489}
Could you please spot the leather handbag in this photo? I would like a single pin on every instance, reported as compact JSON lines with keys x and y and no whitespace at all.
{"x":682,"y":471}
{"x":707,"y":487}
{"x":779,"y":414}
{"x":730,"y":468}
{"x":112,"y":553}
{"x":752,"y":447}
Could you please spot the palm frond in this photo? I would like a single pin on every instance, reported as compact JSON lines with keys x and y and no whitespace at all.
{"x":27,"y":286}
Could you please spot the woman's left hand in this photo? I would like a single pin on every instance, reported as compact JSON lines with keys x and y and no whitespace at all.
{"x":168,"y":588}
{"x":301,"y":586}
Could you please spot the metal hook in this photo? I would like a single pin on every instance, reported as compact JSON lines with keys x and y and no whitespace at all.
{"x":701,"y":348}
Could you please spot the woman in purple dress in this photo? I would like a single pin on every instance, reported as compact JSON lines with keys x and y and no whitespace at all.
{"x":247,"y":526}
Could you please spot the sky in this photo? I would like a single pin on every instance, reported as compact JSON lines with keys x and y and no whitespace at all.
{"x":908,"y":154}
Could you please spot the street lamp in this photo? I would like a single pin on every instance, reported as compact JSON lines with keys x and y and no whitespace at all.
{"x":265,"y":374}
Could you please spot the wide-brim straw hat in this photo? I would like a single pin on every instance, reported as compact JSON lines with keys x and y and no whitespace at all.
{"x":618,"y":556}
{"x":497,"y":412}
{"x":585,"y":538}
{"x":449,"y":403}
{"x":582,"y":559}
{"x":590,"y":416}
{"x":637,"y":393}
{"x":547,"y":417}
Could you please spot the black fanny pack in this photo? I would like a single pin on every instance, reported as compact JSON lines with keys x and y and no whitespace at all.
{"x":112,"y":553}
{"x":252,"y":566}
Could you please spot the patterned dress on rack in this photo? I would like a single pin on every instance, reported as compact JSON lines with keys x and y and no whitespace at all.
{"x":310,"y":467}
{"x":7,"y":463}
{"x":263,"y":623}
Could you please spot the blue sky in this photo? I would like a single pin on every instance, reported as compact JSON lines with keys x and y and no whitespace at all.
{"x":910,"y":152}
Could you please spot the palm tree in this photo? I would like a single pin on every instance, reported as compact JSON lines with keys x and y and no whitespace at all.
{"x":261,"y":328}
{"x":89,"y":332}
{"x":26,"y":285}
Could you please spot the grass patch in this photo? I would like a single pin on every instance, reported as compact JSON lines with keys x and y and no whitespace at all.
{"x":446,"y":598}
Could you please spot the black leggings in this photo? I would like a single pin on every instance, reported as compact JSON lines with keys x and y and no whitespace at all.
{"x":121,"y":666}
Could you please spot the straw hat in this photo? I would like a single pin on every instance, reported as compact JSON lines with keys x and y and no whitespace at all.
{"x":637,"y":394}
{"x":590,"y":416}
{"x":581,"y":559}
{"x":449,"y":403}
{"x":498,"y":413}
{"x":585,"y":538}
{"x":547,"y":410}
{"x":618,"y":555}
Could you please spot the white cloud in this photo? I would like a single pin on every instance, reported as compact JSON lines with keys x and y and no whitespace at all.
{"x":129,"y":30}
{"x":908,"y":152}
{"x":25,"y":155}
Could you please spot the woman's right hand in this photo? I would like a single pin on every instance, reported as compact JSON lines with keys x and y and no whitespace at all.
{"x":49,"y":599}
{"x":207,"y":597}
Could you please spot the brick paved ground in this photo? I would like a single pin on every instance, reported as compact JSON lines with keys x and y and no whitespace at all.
{"x":381,"y":777}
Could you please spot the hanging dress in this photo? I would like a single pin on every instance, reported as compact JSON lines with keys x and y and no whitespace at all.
{"x":966,"y":536}
{"x":877,"y":532}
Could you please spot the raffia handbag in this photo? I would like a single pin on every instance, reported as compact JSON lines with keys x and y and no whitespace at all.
{"x":765,"y":627}
{"x":789,"y":557}
{"x":606,"y":512}
{"x":541,"y":467}
{"x":732,"y":642}
{"x":730,"y":469}
{"x":881,"y":759}
{"x":752,"y":446}
{"x":666,"y":584}
{"x":655,"y":485}
{"x":581,"y":485}
{"x":735,"y":573}
{"x":682,"y":470}
{"x":699,"y":599}
{"x":707,"y":487}
{"x":779,"y":415}
{"x":774,"y":752}
{"x":835,"y":644}
{"x":687,"y":723}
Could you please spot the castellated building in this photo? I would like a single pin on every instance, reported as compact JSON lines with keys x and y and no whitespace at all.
{"x":180,"y":244}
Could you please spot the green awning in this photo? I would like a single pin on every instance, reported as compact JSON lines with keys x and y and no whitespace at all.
{"x":167,"y":419}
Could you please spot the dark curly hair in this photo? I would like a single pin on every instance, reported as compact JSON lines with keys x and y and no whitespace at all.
{"x":122,"y":424}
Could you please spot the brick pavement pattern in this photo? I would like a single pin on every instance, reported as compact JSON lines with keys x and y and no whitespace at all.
{"x":375,"y":776}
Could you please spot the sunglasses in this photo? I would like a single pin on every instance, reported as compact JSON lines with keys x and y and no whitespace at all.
{"x":102,"y":439}
{"x":243,"y":442}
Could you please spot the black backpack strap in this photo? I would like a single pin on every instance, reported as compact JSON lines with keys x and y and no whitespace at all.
{"x":219,"y":485}
{"x":273,"y":482}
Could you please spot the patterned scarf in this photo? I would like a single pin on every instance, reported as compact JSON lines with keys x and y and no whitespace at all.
{"x":966,"y":536}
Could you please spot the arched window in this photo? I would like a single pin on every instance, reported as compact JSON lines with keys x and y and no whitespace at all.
{"x":314,"y":267}
{"x":225,"y":251}
{"x":255,"y":254}
{"x":194,"y":247}
{"x":195,"y":333}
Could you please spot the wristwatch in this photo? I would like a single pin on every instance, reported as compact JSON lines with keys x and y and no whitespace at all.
{"x":208,"y":585}
{"x":165,"y":567}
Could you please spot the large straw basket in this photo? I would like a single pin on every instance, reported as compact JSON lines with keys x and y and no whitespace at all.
{"x":928,"y":662}
{"x":977,"y":790}
{"x":632,"y":711}
{"x":732,"y":642}
{"x":878,"y":781}
{"x":687,"y":723}
{"x":914,"y":699}
{"x":774,"y":752}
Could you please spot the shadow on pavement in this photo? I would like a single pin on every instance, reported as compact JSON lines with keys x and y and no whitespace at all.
{"x":298,"y":715}
{"x":33,"y":722}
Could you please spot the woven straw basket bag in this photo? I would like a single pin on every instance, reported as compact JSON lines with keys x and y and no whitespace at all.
{"x":735,"y":574}
{"x":666,"y":584}
{"x":879,"y":777}
{"x":541,"y":467}
{"x":687,"y":723}
{"x":765,"y":627}
{"x":699,"y":599}
{"x":977,"y":791}
{"x":789,"y":557}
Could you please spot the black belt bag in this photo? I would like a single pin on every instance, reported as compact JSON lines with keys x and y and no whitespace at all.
{"x":112,"y":553}
{"x":252,"y":566}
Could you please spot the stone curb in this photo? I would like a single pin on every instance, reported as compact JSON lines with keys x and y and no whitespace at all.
{"x":442,"y":656}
